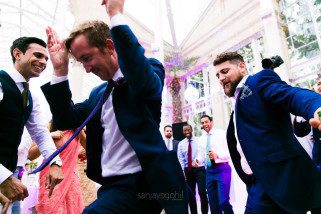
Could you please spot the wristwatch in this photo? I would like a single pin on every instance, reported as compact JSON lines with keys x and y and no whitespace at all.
{"x":57,"y":162}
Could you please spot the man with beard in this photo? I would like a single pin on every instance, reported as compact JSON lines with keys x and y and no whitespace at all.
{"x":279,"y":174}
{"x":170,"y":143}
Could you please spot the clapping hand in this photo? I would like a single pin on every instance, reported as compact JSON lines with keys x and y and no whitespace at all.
{"x":57,"y":52}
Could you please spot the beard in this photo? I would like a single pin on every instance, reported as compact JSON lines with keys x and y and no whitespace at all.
{"x":230,"y":89}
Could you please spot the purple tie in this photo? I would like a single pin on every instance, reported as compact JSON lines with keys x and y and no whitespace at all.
{"x":109,"y":88}
{"x":189,"y":155}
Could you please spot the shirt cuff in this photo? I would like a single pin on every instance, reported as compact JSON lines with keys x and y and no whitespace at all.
{"x":4,"y":173}
{"x":56,"y":79}
{"x":117,"y":20}
{"x":57,"y":160}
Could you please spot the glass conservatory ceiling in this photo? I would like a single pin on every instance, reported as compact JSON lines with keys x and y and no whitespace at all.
{"x":30,"y":17}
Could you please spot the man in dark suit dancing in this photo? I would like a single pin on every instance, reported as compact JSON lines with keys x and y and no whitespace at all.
{"x":125,"y":150}
{"x":279,"y":174}
{"x":170,"y":143}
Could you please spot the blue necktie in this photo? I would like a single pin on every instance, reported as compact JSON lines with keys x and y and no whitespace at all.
{"x":109,"y":89}
{"x":208,"y":147}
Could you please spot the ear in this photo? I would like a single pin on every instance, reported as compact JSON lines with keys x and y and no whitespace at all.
{"x":17,"y":54}
{"x":243,"y":68}
{"x":109,"y":46}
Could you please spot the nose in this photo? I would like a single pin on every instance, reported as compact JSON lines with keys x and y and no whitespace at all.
{"x":221,"y":78}
{"x":87,"y":67}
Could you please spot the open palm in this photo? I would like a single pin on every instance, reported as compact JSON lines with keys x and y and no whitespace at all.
{"x":57,"y":52}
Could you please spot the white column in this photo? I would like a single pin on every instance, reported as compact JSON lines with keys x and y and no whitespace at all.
{"x":274,"y":41}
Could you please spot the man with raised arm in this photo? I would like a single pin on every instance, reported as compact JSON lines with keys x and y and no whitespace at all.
{"x":125,"y":150}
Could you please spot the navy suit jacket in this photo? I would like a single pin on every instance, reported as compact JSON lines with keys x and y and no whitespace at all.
{"x":137,"y":106}
{"x":264,"y":129}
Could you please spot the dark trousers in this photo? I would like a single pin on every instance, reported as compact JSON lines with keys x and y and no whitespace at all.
{"x":193,"y":177}
{"x":258,"y":202}
{"x":218,"y":184}
{"x":124,"y":194}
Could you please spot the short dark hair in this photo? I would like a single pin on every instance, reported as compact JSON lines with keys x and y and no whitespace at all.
{"x":96,"y":32}
{"x":188,"y":125}
{"x":168,"y":126}
{"x":228,"y":56}
{"x":23,"y":43}
{"x":209,"y":117}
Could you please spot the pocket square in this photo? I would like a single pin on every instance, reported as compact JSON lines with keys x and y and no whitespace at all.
{"x":246,"y":92}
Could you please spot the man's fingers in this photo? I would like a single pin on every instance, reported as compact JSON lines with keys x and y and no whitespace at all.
{"x":315,"y":123}
{"x":52,"y":186}
{"x":5,"y":203}
{"x":48,"y":182}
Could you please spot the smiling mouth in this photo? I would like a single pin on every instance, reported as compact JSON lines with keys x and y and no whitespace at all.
{"x":39,"y":68}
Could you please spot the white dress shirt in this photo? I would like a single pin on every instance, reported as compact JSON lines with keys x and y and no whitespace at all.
{"x":218,"y":145}
{"x":182,"y":151}
{"x":245,"y":165}
{"x":169,"y":143}
{"x":118,"y":157}
{"x":23,"y":148}
{"x":35,"y":126}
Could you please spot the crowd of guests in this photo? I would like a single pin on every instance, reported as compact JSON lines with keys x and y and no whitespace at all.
{"x":137,"y":170}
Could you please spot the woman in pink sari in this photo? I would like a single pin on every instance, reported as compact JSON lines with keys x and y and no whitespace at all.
{"x":67,"y":196}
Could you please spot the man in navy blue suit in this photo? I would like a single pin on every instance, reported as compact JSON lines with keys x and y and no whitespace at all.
{"x":279,"y":174}
{"x":125,"y":150}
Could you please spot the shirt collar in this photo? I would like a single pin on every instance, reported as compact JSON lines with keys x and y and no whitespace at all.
{"x":240,"y":85}
{"x":118,"y":75}
{"x":16,"y":76}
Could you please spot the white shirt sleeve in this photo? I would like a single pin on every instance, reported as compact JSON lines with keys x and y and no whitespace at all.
{"x":221,"y":148}
{"x":117,"y":20}
{"x":56,"y":79}
{"x":180,"y":155}
{"x":4,"y":173}
{"x":39,"y":131}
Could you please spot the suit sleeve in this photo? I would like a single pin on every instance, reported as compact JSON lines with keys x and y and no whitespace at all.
{"x":144,"y":76}
{"x":66,"y":115}
{"x":278,"y":93}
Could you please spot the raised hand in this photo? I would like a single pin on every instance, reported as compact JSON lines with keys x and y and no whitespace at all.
{"x":57,"y":52}
{"x":113,"y":7}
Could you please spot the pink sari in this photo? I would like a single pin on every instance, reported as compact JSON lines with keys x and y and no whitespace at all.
{"x":66,"y":197}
